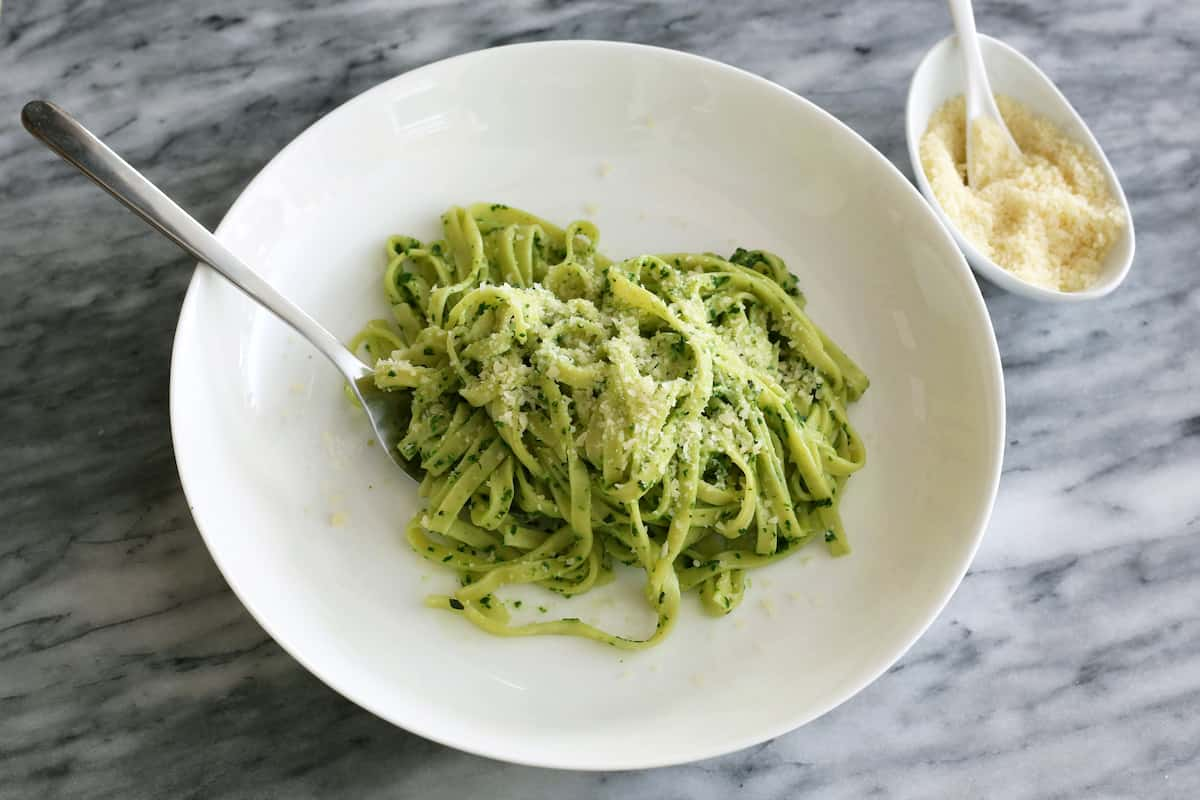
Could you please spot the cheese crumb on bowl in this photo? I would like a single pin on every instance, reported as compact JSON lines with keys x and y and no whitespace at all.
{"x":1046,"y":215}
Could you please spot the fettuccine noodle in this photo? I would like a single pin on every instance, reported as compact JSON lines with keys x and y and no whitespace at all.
{"x":678,"y":413}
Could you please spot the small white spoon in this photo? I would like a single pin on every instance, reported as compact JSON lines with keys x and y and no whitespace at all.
{"x":938,"y":78}
{"x":981,"y":103}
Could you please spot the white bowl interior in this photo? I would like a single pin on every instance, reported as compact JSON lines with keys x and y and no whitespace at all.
{"x":653,"y":144}
{"x":939,"y":77}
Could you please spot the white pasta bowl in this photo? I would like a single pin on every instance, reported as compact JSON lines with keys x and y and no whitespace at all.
{"x":666,"y":152}
{"x":937,"y":79}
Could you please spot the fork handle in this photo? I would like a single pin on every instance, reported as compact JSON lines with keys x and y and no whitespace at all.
{"x":77,"y":145}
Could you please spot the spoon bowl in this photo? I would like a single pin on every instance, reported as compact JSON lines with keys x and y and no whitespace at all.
{"x":938,"y":78}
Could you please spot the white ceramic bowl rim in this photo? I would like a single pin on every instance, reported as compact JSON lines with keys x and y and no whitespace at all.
{"x":501,"y":750}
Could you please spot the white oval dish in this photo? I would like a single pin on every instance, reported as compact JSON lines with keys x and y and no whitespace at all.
{"x":668,"y":152}
{"x":938,"y":78}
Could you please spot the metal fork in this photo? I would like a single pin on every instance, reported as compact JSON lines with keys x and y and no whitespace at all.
{"x":80,"y":147}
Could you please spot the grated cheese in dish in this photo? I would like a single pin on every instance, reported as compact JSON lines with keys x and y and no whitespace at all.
{"x":1047,"y":215}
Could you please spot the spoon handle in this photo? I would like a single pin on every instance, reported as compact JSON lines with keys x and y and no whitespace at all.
{"x":77,"y":145}
{"x":980,"y":100}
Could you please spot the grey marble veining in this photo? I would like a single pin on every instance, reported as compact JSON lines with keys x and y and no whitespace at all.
{"x":1067,"y":665}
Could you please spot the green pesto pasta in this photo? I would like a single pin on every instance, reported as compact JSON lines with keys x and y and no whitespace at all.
{"x":678,"y":413}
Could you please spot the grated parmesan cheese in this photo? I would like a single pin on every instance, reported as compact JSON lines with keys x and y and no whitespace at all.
{"x":1046,"y":215}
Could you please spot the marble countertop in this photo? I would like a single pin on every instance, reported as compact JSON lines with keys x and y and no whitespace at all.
{"x":1067,"y":665}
